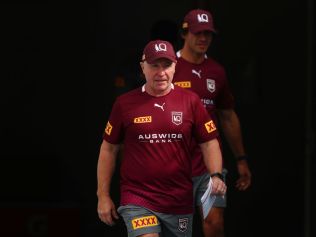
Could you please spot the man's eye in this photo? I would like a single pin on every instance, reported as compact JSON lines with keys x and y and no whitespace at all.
{"x":167,"y":65}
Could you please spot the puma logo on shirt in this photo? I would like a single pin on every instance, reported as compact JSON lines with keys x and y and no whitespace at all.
{"x":159,"y":106}
{"x":198,"y":73}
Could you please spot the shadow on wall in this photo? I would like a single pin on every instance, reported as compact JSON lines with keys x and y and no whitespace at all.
{"x":165,"y":29}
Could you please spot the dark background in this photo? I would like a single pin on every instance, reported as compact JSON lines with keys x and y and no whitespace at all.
{"x":62,"y":67}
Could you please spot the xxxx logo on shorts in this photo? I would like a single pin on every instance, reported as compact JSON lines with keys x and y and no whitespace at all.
{"x":145,"y":119}
{"x":108,"y":129}
{"x":210,"y":126}
{"x":183,"y":84}
{"x":144,"y":221}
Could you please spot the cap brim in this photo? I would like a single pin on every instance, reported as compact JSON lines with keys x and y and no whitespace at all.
{"x":200,"y":28}
{"x":152,"y":60}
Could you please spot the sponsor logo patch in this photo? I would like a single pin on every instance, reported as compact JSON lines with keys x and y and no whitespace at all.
{"x":145,"y":119}
{"x":145,"y":221}
{"x":160,"y":137}
{"x":183,"y":84}
{"x":108,"y":128}
{"x":210,"y":126}
{"x":183,"y":224}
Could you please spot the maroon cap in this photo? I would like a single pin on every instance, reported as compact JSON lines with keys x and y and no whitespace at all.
{"x":158,"y":49}
{"x":198,"y":20}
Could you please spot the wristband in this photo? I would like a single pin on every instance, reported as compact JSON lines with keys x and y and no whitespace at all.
{"x":240,"y":158}
{"x":218,"y":175}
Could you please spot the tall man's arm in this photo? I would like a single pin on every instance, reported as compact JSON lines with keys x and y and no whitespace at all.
{"x":105,"y":170}
{"x":232,"y":130}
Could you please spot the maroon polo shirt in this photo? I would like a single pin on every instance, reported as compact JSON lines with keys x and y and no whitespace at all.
{"x":209,"y":81}
{"x":157,"y":133}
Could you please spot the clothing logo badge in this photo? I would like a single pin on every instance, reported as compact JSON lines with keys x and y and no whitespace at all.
{"x":210,"y":126}
{"x":159,"y":106}
{"x":210,"y":83}
{"x":176,"y":117}
{"x":183,"y":84}
{"x":202,"y":18}
{"x":183,"y":224}
{"x":145,"y":221}
{"x":198,"y":73}
{"x":108,"y":128}
{"x":160,"y":47}
{"x":207,"y":102}
{"x":160,"y":137}
{"x":144,"y":119}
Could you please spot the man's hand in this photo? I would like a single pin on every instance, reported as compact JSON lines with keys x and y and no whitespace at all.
{"x":107,"y":211}
{"x":244,"y":180}
{"x":219,"y":187}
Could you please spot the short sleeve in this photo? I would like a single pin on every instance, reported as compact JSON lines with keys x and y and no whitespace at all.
{"x":204,"y":126}
{"x":114,"y":129}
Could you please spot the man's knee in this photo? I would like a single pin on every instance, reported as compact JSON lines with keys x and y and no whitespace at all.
{"x":215,"y":218}
{"x":214,"y":223}
{"x":213,"y":227}
{"x":150,"y":235}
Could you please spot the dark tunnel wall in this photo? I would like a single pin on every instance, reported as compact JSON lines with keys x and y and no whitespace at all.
{"x":63,"y":66}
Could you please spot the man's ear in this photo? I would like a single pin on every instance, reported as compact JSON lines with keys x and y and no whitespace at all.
{"x":142,"y":65}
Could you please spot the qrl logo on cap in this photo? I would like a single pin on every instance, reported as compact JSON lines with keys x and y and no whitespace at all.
{"x":161,"y":47}
{"x":202,"y":17}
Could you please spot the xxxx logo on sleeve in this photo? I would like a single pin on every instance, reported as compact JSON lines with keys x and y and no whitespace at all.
{"x":108,"y":128}
{"x":144,"y":119}
{"x":183,"y":84}
{"x":145,"y":221}
{"x":210,"y":126}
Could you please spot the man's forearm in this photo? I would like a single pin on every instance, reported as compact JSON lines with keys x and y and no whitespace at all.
{"x":232,"y":130}
{"x":105,"y":169}
{"x":212,"y":156}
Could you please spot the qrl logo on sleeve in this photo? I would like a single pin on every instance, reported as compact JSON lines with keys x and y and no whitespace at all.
{"x":210,"y":126}
{"x":145,"y":221}
{"x":108,"y":128}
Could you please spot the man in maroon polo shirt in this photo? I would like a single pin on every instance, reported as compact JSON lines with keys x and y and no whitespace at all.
{"x":156,"y":124}
{"x":206,"y":77}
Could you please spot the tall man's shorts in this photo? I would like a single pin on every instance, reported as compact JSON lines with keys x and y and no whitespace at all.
{"x":199,"y":187}
{"x":140,"y":220}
